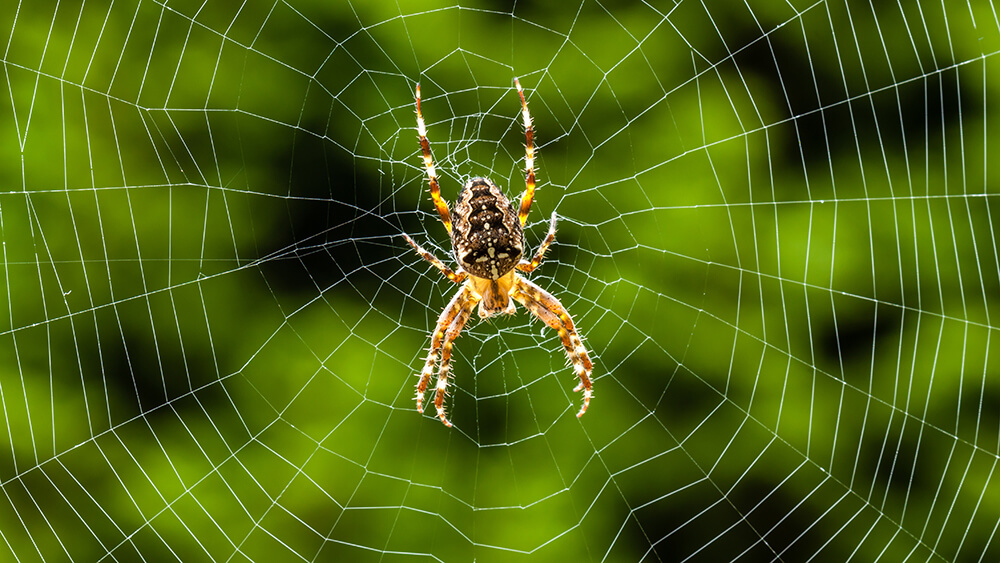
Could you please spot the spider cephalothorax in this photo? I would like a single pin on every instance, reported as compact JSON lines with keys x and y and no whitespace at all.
{"x":487,"y":239}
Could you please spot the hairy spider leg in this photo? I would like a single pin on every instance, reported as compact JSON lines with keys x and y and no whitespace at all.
{"x":546,"y":307}
{"x":459,"y":302}
{"x":448,"y":272}
{"x":529,"y":158}
{"x":453,"y":331}
{"x":528,"y":267}
{"x":425,"y":148}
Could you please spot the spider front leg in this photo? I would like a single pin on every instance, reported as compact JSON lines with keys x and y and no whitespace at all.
{"x":453,"y":331}
{"x":444,"y":334}
{"x":546,"y":307}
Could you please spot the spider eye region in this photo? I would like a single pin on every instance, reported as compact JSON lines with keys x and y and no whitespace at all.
{"x":487,"y":235}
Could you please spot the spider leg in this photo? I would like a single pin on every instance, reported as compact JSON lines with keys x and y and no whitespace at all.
{"x":529,"y":158}
{"x":425,"y":148}
{"x":448,"y":272}
{"x":546,"y":307}
{"x":459,"y":302}
{"x":526,"y":266}
{"x":453,"y":331}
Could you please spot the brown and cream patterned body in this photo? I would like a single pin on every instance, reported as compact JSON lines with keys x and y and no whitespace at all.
{"x":487,"y":238}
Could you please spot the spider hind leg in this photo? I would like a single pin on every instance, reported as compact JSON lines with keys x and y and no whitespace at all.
{"x":529,"y":157}
{"x":425,"y":149}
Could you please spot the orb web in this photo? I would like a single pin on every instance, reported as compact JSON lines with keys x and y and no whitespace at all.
{"x":775,"y":235}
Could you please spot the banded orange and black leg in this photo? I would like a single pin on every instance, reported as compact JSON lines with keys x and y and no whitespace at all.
{"x":462,"y":301}
{"x":528,"y":267}
{"x":425,"y":148}
{"x":529,"y":158}
{"x":546,"y":307}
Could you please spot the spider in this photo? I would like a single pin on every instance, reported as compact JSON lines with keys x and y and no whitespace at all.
{"x":487,"y":239}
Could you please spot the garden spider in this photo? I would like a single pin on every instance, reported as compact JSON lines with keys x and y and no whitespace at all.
{"x":488,"y":241}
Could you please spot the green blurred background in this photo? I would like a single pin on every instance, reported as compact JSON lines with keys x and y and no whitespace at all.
{"x":776,"y":237}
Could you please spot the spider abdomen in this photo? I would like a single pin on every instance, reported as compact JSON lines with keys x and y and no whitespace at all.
{"x":487,"y":235}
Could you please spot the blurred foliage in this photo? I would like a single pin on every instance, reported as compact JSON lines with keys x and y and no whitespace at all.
{"x":776,"y":236}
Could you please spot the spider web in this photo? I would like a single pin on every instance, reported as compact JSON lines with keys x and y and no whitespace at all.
{"x":776,"y":237}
